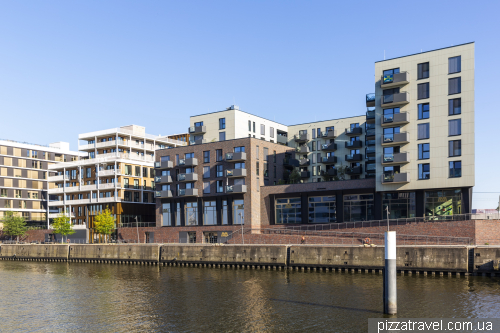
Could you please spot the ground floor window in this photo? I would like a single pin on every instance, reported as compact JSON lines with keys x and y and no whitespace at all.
{"x":288,"y":211}
{"x":210,"y":237}
{"x":401,"y":205}
{"x":167,"y":215}
{"x":209,"y":213}
{"x":358,"y":207}
{"x":322,"y":209}
{"x":443,"y":203}
{"x":191,"y":213}
{"x":238,"y":212}
{"x":177,"y":214}
{"x":224,"y":212}
{"x":192,"y":237}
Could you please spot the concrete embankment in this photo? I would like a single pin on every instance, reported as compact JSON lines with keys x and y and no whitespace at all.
{"x":410,"y":259}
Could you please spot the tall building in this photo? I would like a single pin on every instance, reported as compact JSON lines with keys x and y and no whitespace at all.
{"x":24,"y":178}
{"x":117,"y":173}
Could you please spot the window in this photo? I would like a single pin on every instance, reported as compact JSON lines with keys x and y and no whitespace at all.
{"x":191,"y":213}
{"x":288,"y":211}
{"x":266,"y":153}
{"x":167,"y":215}
{"x":240,"y":149}
{"x":257,"y":152}
{"x":239,"y":165}
{"x":313,"y":134}
{"x":138,"y":171}
{"x":454,"y":106}
{"x":274,"y":173}
{"x":220,"y":186}
{"x":220,"y":171}
{"x":442,"y":203}
{"x":318,"y":132}
{"x":389,"y":133}
{"x":424,"y":171}
{"x":222,"y":123}
{"x":198,"y":124}
{"x":423,"y":90}
{"x":400,"y":204}
{"x":358,"y":207}
{"x":271,"y":132}
{"x":165,"y":158}
{"x":454,"y":86}
{"x":206,"y":172}
{"x":388,"y":95}
{"x":391,"y":71}
{"x":218,"y":155}
{"x":454,"y":127}
{"x":206,"y":187}
{"x":249,"y":126}
{"x":423,"y":151}
{"x":423,"y":111}
{"x":136,"y":184}
{"x":238,"y":212}
{"x":274,"y":157}
{"x":266,"y":174}
{"x":209,"y":213}
{"x":224,"y":212}
{"x":222,"y":136}
{"x":423,"y":71}
{"x":454,"y":65}
{"x":455,"y":148}
{"x":322,"y":209}
{"x":455,"y":169}
{"x":254,"y":126}
{"x":126,"y":183}
{"x":262,"y":129}
{"x":257,"y":169}
{"x":423,"y":131}
{"x":206,"y":156}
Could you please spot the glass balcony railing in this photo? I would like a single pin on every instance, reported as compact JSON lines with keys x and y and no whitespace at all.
{"x":370,"y":143}
{"x":370,"y":97}
{"x":157,"y":194}
{"x":388,"y":158}
{"x":370,"y":150}
{"x":370,"y":132}
{"x":181,"y":177}
{"x":388,"y":118}
{"x":182,"y":162}
{"x":388,"y":177}
{"x":371,"y":167}
{"x":370,"y":114}
{"x":388,"y":138}
{"x":229,"y":189}
{"x":182,"y":191}
{"x":388,"y":98}
{"x":229,"y":173}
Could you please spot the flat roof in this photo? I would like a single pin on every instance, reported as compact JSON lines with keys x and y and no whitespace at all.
{"x":320,"y":121}
{"x":203,"y":114}
{"x":409,"y":55}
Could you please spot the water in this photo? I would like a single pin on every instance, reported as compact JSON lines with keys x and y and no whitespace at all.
{"x":77,"y":297}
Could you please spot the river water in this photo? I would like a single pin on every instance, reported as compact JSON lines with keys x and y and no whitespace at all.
{"x":78,"y":297}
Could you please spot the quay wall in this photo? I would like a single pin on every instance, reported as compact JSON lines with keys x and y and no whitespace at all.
{"x":111,"y":252}
{"x":35,"y":251}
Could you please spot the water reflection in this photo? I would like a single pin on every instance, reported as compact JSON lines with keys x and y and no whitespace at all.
{"x":49,"y":297}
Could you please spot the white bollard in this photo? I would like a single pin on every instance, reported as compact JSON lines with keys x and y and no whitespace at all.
{"x":390,"y":274}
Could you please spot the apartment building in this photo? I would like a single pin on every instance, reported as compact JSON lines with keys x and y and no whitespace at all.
{"x":24,"y":175}
{"x":424,"y":123}
{"x":233,"y":123}
{"x":216,"y":183}
{"x":116,"y":173}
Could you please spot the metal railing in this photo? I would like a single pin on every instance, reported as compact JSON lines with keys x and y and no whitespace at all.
{"x":137,"y":224}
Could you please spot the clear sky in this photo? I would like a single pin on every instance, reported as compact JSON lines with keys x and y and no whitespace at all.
{"x":68,"y":67}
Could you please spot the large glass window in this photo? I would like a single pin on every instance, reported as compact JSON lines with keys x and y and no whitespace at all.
{"x":191,"y":213}
{"x":401,"y":205}
{"x":454,"y":127}
{"x":455,"y":148}
{"x":288,"y":211}
{"x":209,"y":213}
{"x":423,"y":71}
{"x":206,"y":172}
{"x":439,"y":204}
{"x":455,"y":169}
{"x":454,"y":65}
{"x":423,"y":131}
{"x":224,"y":212}
{"x":167,"y":215}
{"x":389,"y":133}
{"x":222,"y":123}
{"x":423,"y":90}
{"x":454,"y":106}
{"x":424,"y":171}
{"x":178,"y":214}
{"x":423,"y":111}
{"x":358,"y":207}
{"x":389,"y":114}
{"x":322,"y":209}
{"x":454,"y":86}
{"x":238,"y":212}
{"x":424,"y":151}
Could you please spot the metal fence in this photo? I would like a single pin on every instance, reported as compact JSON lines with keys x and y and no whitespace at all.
{"x":137,"y":224}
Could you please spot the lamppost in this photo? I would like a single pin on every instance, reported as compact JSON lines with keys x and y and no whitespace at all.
{"x":137,"y":228}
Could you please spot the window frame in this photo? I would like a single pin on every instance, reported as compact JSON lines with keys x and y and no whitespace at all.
{"x":452,"y":169}
{"x":422,"y":151}
{"x":418,"y":70}
{"x":421,"y":111}
{"x":421,"y":171}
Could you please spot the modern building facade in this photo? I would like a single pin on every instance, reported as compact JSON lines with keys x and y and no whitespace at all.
{"x":24,"y":178}
{"x":116,"y":173}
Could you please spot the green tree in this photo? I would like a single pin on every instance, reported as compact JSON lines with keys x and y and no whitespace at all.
{"x":294,"y":176}
{"x":341,"y":172}
{"x":14,"y":225}
{"x":104,"y":223}
{"x":281,"y":182}
{"x":62,"y":225}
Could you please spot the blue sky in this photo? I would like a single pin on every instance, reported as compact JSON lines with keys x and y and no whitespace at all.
{"x":68,"y":67}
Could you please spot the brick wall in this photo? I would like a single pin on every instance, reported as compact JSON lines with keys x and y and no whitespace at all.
{"x":31,"y":236}
{"x":487,"y":231}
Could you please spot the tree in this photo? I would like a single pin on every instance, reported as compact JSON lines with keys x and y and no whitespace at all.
{"x":341,"y":172}
{"x":281,"y":182}
{"x":14,"y":225}
{"x":294,"y":176}
{"x":62,"y":225}
{"x":104,"y":223}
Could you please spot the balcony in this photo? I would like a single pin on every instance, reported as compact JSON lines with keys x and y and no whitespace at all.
{"x":106,"y":173}
{"x":282,"y":139}
{"x":196,"y":130}
{"x":329,"y":160}
{"x":301,"y":138}
{"x":235,"y":173}
{"x":302,"y":149}
{"x":402,"y":118}
{"x":87,"y":146}
{"x":398,"y":158}
{"x":354,"y":144}
{"x":164,"y":165}
{"x":290,"y":163}
{"x":163,"y":179}
{"x":163,"y":194}
{"x":197,"y":142}
{"x":329,"y":147}
{"x":357,"y":170}
{"x":236,"y":157}
{"x":55,"y":215}
{"x":370,"y":150}
{"x":58,"y":178}
{"x":370,"y":117}
{"x":188,"y":192}
{"x":395,"y":178}
{"x":305,"y":174}
{"x":394,"y":80}
{"x":353,"y":157}
{"x":395,"y":99}
{"x":332,"y":172}
{"x":304,"y":162}
{"x":354,"y":131}
{"x":370,"y":167}
{"x":105,"y":186}
{"x":188,"y":162}
{"x":55,"y":190}
{"x":330,"y":134}
{"x":236,"y":189}
{"x":370,"y":133}
{"x":187,"y":177}
{"x":370,"y":100}
{"x":395,"y":139}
